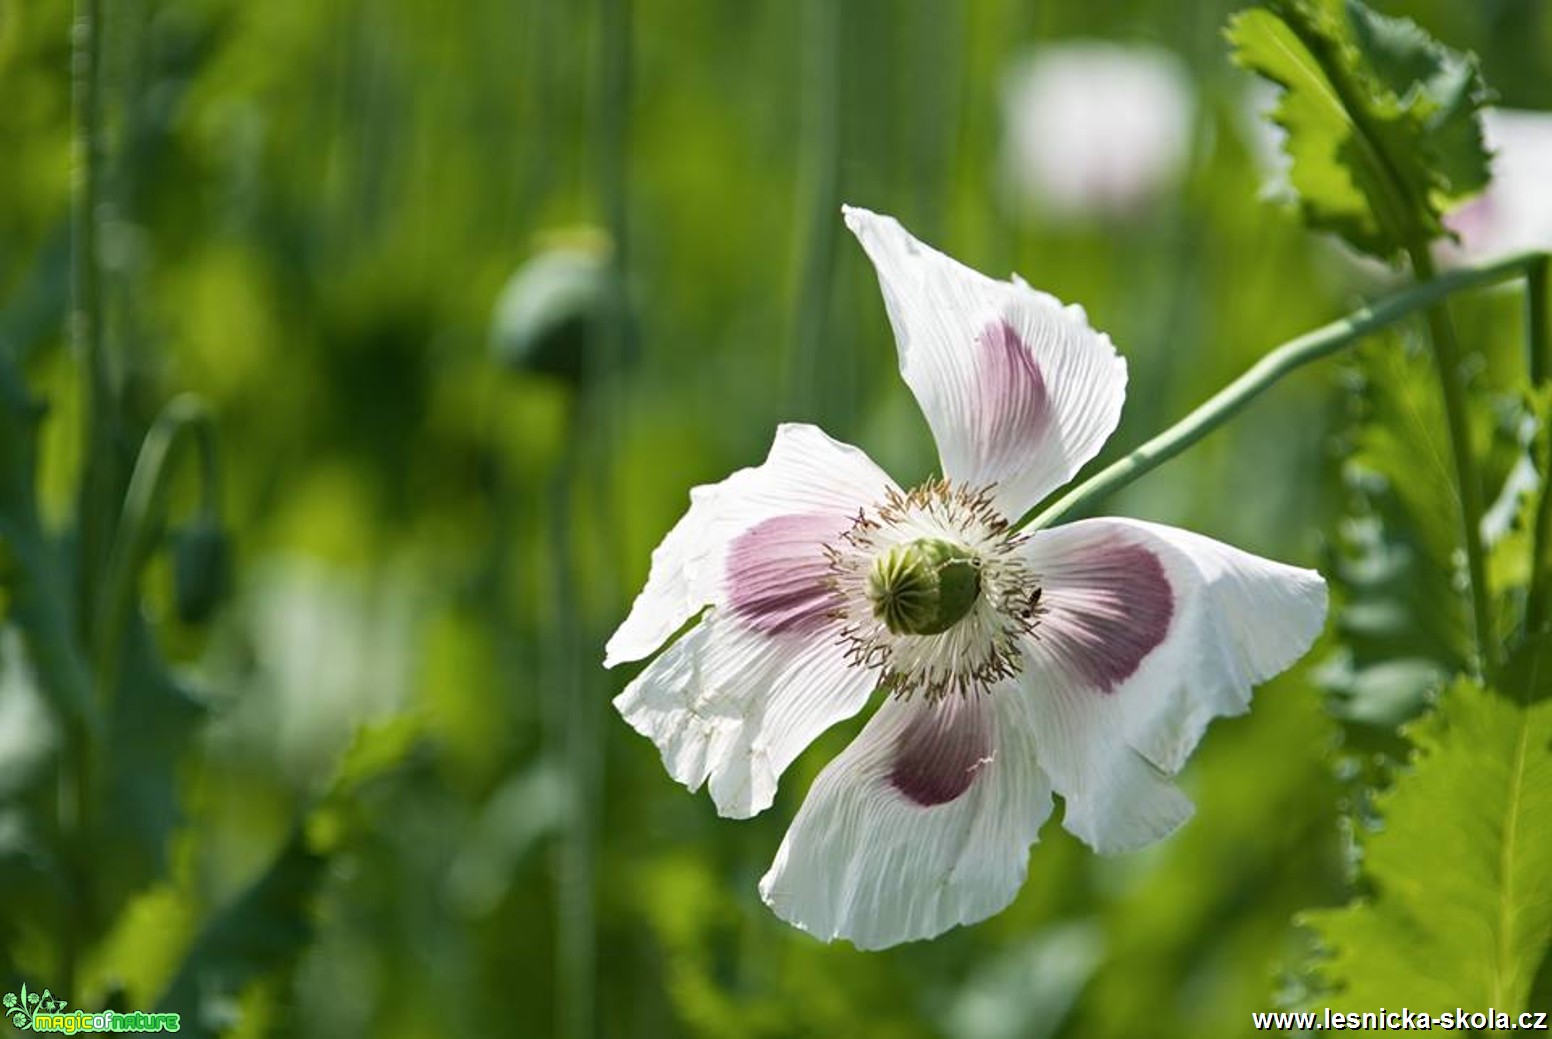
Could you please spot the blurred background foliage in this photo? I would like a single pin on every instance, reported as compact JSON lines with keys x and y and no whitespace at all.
{"x":407,"y":810}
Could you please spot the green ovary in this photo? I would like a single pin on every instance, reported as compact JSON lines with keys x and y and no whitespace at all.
{"x":924,"y":587}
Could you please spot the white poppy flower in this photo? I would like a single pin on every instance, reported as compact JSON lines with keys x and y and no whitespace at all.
{"x":1092,"y":127}
{"x":1084,"y":659}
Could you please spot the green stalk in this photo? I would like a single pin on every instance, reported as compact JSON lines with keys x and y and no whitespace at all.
{"x":820,"y":202}
{"x":139,"y":526}
{"x":1538,"y":322}
{"x":1402,"y":215}
{"x":565,"y":716}
{"x":1538,"y":332}
{"x":1290,"y":356}
{"x":136,"y":536}
{"x":98,"y":408}
{"x":589,"y":457}
{"x":86,"y":338}
{"x":1446,"y":352}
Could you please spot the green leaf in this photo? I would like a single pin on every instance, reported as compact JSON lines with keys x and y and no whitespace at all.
{"x":34,"y":569}
{"x":1403,"y":622}
{"x":1460,"y":913}
{"x":378,"y":747}
{"x":154,"y":719}
{"x":261,"y":931}
{"x":1340,"y":183}
{"x":1436,"y":89}
{"x":1381,"y":120}
{"x":268,"y":925}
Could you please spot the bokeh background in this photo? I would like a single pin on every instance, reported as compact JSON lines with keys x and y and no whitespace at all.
{"x":478,"y":291}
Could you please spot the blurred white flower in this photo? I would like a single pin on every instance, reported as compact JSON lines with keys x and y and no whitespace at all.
{"x":1094,"y":128}
{"x":330,"y":649}
{"x":1084,"y":659}
{"x":27,"y":731}
{"x":1515,"y":212}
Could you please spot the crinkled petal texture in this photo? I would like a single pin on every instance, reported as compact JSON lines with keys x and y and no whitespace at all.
{"x":1147,"y":633}
{"x":737,"y":698}
{"x":923,"y":823}
{"x":1019,"y":391}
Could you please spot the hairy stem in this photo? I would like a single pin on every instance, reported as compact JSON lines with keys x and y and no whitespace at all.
{"x":1468,"y":478}
{"x":1265,"y":373}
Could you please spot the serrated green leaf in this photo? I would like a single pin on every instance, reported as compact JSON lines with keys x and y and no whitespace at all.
{"x":1396,"y":569}
{"x":261,"y":931}
{"x":1339,"y":183}
{"x":1381,"y":120}
{"x":1440,"y":89}
{"x":1404,"y":621}
{"x":1460,"y":913}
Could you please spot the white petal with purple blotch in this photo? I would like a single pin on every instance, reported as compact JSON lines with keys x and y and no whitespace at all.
{"x":1114,"y":799}
{"x":1019,"y":391}
{"x":923,"y":823}
{"x":806,"y":473}
{"x":734,"y":701}
{"x":1145,"y":634}
{"x":731,"y":707}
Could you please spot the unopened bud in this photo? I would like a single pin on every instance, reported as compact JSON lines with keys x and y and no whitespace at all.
{"x":201,"y":570}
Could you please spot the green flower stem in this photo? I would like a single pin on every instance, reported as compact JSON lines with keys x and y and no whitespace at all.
{"x":98,"y":407}
{"x":576,"y":733}
{"x":1290,"y":356}
{"x":1538,"y":321}
{"x":1468,"y":478}
{"x":819,"y":201}
{"x":1538,"y":332}
{"x":140,"y":524}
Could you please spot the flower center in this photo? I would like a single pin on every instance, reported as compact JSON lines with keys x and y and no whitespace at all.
{"x":924,"y":587}
{"x":932,"y":592}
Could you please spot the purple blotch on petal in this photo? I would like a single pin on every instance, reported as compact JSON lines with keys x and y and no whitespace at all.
{"x":1113,"y":610}
{"x":1013,"y":407}
{"x":777,"y":571}
{"x":941,"y":751}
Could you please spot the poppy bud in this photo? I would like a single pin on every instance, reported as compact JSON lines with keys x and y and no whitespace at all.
{"x":201,"y":570}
